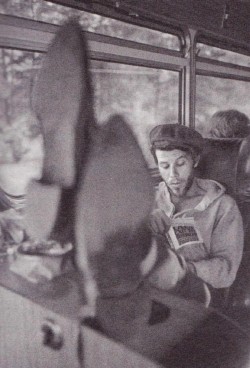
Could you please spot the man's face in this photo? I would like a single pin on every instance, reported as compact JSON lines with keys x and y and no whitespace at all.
{"x":177,"y":170}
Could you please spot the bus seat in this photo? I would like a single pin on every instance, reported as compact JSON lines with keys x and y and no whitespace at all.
{"x":240,"y":292}
{"x":228,"y":161}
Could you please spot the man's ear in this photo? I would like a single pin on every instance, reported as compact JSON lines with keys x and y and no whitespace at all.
{"x":197,"y":160}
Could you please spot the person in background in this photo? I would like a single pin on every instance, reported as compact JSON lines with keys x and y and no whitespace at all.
{"x":229,"y":124}
{"x":200,"y":225}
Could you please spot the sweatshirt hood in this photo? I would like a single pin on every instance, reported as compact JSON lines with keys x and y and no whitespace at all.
{"x":211,"y":189}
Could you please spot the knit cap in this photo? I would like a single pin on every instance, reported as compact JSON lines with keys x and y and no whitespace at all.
{"x":178,"y":135}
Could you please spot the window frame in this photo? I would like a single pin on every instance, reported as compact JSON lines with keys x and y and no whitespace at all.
{"x":219,"y":69}
{"x":124,"y":13}
{"x":31,"y":35}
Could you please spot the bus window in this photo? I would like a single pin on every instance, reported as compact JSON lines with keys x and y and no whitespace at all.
{"x":57,"y":14}
{"x":223,"y":55}
{"x":214,"y":94}
{"x":144,"y":96}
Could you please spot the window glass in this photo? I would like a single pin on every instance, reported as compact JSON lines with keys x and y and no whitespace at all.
{"x":214,"y":94}
{"x":219,"y":54}
{"x":18,"y":126}
{"x":144,"y":96}
{"x":52,"y":13}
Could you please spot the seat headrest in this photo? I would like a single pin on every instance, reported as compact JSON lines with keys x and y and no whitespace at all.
{"x":228,"y":162}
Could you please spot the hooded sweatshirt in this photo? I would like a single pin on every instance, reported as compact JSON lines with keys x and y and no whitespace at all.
{"x":217,"y":256}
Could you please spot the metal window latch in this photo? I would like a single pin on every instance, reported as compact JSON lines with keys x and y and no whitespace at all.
{"x":186,"y":50}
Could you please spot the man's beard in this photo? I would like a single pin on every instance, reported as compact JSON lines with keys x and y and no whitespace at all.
{"x":181,"y":191}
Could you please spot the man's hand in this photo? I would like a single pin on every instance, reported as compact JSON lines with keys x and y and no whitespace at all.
{"x":169,"y":272}
{"x":159,"y":222}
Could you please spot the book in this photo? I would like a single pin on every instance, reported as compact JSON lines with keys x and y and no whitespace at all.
{"x":183,"y":232}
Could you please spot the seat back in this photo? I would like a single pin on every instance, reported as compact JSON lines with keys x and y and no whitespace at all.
{"x":219,"y":162}
{"x":228,"y":161}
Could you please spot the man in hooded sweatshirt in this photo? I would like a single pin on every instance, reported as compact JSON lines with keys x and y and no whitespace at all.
{"x":200,"y":224}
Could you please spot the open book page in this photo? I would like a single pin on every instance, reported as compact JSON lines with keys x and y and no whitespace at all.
{"x":183,"y":232}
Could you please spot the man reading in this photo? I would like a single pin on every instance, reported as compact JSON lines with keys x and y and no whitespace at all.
{"x":199,"y":223}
